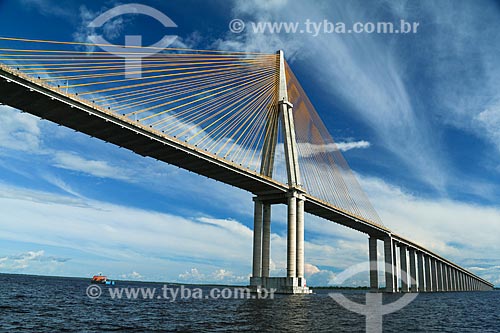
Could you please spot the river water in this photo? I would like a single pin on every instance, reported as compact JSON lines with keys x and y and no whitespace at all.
{"x":52,"y":304}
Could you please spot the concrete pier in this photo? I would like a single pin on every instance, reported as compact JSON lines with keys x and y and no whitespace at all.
{"x":420,"y":261}
{"x":266,"y":240}
{"x":413,"y":271}
{"x":372,"y":254}
{"x":403,"y":268}
{"x":448,"y":277}
{"x":428,"y":282}
{"x":408,"y":269}
{"x":300,"y":238}
{"x":434,"y":278}
{"x":291,"y":252}
{"x":389,"y":265}
{"x":439,"y":269}
{"x":395,"y":265}
{"x":257,"y":239}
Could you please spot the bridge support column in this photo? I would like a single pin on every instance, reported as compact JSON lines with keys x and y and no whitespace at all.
{"x":294,"y":282}
{"x":445,"y":278}
{"x":428,"y":283}
{"x":257,"y":244}
{"x":450,"y":279}
{"x":291,"y":254}
{"x":413,"y":271}
{"x":300,"y":240}
{"x":389,"y":265}
{"x":372,"y":254}
{"x":439,"y":268}
{"x":420,"y":260}
{"x":448,"y":275}
{"x":403,"y":268}
{"x":456,"y":285}
{"x":266,"y":240}
{"x":434,"y":278}
{"x":395,"y":265}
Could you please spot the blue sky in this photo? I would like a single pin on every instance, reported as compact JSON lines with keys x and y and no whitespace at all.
{"x":418,"y":116}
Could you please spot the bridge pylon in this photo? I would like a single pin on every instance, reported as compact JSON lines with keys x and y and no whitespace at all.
{"x":294,"y":282}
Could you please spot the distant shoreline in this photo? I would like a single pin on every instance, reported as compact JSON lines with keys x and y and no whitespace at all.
{"x":188,"y":284}
{"x":176,"y":283}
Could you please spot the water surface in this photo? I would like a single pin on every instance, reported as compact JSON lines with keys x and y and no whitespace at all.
{"x":52,"y":304}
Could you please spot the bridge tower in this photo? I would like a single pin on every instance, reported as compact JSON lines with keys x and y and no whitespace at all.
{"x":294,"y":282}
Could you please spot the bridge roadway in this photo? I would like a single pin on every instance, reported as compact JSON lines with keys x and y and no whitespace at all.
{"x":35,"y":97}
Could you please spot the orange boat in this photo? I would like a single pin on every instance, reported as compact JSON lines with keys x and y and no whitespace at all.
{"x":101,"y":279}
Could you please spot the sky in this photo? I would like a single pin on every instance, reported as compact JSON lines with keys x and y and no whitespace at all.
{"x":417,"y":116}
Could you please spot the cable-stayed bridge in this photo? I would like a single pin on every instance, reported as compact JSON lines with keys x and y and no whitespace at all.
{"x":237,"y":117}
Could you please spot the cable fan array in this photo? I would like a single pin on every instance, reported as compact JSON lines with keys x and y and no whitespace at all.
{"x":216,"y":101}
{"x":324,"y":171}
{"x":221,"y":102}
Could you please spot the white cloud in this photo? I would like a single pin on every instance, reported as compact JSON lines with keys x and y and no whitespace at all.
{"x":345,"y":146}
{"x":111,"y":30}
{"x":192,"y":275}
{"x":220,"y":248}
{"x":48,"y":8}
{"x":95,"y":168}
{"x":373,"y":74}
{"x":132,"y":276}
{"x":97,"y":228}
{"x":307,"y":149}
{"x":217,"y":276}
{"x":456,"y":230}
{"x":466,"y":78}
{"x":22,"y":132}
{"x":310,"y":269}
{"x":19,"y":131}
{"x":489,"y":120}
{"x":24,"y":260}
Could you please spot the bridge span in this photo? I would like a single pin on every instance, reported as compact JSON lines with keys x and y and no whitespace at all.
{"x":408,"y":267}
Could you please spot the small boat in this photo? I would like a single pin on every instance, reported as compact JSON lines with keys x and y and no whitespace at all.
{"x":101,"y":279}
